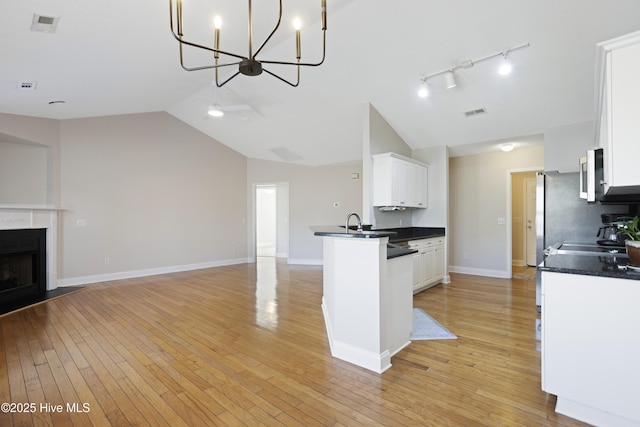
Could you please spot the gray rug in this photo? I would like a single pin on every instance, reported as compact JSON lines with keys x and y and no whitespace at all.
{"x":426,"y":327}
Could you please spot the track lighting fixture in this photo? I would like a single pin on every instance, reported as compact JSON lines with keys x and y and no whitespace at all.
{"x":449,"y":77}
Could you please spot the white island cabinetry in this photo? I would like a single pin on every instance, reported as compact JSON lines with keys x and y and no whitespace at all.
{"x":399,"y":181}
{"x":591,"y":347}
{"x":367,"y":300}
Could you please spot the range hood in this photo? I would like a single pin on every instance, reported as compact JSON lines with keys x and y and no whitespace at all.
{"x":391,"y":208}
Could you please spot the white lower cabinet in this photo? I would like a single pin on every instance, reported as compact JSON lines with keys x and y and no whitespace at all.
{"x":591,"y":347}
{"x":428,"y":262}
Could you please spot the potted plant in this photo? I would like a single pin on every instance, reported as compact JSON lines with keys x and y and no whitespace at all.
{"x":631,"y":229}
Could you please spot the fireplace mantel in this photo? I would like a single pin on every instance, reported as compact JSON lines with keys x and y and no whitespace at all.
{"x":14,"y":217}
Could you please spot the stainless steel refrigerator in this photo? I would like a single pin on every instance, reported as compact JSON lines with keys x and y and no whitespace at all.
{"x":563,"y":217}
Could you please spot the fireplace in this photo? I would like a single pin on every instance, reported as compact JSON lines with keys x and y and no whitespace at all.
{"x":23,"y":266}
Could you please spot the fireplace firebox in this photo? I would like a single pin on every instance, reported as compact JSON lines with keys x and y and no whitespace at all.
{"x":23,"y":267}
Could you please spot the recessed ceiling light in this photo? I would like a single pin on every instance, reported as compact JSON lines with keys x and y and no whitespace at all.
{"x":506,"y":147}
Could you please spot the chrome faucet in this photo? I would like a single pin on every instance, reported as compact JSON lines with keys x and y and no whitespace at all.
{"x":358,"y":223}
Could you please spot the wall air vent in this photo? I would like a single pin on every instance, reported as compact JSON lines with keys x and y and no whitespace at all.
{"x":27,"y":85}
{"x":286,"y":154}
{"x":44,"y":24}
{"x":475,"y":112}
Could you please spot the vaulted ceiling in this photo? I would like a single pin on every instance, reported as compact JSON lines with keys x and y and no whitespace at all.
{"x":119,"y":57}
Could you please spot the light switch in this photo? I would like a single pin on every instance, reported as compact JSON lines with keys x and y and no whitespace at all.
{"x":501,"y":221}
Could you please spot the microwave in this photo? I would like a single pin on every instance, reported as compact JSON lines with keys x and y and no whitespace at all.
{"x":591,"y":175}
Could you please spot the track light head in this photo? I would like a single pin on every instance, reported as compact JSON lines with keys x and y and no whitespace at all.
{"x":505,"y":66}
{"x":423,"y":92}
{"x":450,"y":80}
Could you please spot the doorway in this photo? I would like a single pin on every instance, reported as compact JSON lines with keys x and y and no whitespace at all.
{"x":266,"y":220}
{"x":523,"y":222}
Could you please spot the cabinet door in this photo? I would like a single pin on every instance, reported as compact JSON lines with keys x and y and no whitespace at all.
{"x":438,"y":263}
{"x":625,"y":105}
{"x":400,"y":182}
{"x":417,"y":177}
{"x":428,"y":266}
{"x":417,"y":270}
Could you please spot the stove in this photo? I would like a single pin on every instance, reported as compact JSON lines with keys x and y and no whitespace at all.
{"x":586,"y":249}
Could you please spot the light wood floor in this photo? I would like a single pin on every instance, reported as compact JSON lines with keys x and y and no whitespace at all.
{"x":246,"y":345}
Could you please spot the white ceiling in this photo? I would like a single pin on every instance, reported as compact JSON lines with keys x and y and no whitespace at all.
{"x":119,"y":57}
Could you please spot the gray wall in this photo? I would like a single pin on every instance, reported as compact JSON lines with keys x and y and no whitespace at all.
{"x":24,"y":173}
{"x":155,"y":194}
{"x":379,"y":137}
{"x":312,"y":193}
{"x":563,"y":146}
{"x":479,"y":194}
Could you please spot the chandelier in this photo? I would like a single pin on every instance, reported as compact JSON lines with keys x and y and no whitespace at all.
{"x":248,"y":65}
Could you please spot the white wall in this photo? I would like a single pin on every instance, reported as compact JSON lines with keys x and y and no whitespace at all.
{"x":563,"y":146}
{"x":312,"y":192}
{"x":156,"y":196}
{"x":477,"y":198}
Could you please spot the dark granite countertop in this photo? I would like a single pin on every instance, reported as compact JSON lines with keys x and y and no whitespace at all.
{"x":404,"y":234}
{"x":337,"y":231}
{"x":589,"y":265}
{"x":393,"y":251}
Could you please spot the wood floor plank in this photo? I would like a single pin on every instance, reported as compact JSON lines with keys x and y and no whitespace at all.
{"x":246,"y":345}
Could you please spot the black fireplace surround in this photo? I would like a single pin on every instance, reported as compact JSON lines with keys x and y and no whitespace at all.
{"x":23,"y":266}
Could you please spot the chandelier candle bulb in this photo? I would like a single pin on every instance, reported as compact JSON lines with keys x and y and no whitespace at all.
{"x":323,"y":8}
{"x":179,"y":17}
{"x":297,"y":25}
{"x":217,"y":23}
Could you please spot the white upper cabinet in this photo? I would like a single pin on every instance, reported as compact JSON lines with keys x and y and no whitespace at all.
{"x":399,"y":181}
{"x":618,"y":123}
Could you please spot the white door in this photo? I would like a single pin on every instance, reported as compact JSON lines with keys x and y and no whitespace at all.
{"x":530,"y":221}
{"x":266,"y":214}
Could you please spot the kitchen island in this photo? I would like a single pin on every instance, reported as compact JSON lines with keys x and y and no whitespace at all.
{"x":590,"y":339}
{"x":367,"y":296}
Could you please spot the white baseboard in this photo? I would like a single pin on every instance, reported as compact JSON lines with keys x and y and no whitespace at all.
{"x":479,"y":272}
{"x":75,"y":281}
{"x":303,"y":261}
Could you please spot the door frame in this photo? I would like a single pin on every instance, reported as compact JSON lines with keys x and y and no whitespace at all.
{"x":509,"y":219}
{"x":525,"y":232}
{"x":282,"y":220}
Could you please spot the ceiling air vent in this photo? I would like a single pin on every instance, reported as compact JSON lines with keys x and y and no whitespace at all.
{"x":44,"y":24}
{"x":472,"y":113}
{"x":286,"y":154}
{"x":27,"y":85}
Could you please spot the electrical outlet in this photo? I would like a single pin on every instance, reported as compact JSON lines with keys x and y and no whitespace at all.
{"x":107,"y":261}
